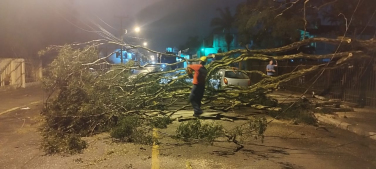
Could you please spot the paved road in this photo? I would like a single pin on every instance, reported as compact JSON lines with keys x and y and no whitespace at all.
{"x":285,"y":146}
{"x":20,"y":98}
{"x":19,"y":137}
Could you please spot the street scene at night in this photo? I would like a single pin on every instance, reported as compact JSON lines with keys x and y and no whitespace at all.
{"x":193,"y":84}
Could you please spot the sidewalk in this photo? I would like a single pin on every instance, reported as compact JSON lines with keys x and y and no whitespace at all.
{"x":361,"y":121}
{"x":14,"y":99}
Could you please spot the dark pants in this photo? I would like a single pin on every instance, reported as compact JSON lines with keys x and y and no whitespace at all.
{"x":196,"y":96}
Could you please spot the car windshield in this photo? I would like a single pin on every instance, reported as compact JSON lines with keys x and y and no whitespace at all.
{"x":236,"y":75}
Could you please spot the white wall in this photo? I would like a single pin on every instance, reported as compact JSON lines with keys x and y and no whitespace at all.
{"x":12,"y":72}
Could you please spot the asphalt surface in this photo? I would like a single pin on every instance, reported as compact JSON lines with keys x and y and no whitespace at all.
{"x":285,"y":146}
{"x":19,"y":137}
{"x":20,"y":98}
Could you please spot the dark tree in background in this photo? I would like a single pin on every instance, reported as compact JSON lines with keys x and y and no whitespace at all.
{"x":224,"y":23}
{"x":193,"y":43}
{"x":361,"y":14}
{"x":267,"y":24}
{"x":273,"y":23}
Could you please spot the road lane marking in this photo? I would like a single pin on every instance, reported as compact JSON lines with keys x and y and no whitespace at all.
{"x":16,"y":108}
{"x":188,"y":165}
{"x":155,"y":151}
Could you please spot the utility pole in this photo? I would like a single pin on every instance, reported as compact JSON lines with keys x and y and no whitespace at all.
{"x":122,"y":36}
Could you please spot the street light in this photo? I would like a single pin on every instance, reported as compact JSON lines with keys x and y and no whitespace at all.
{"x":137,"y":29}
{"x":124,"y":32}
{"x":145,"y":43}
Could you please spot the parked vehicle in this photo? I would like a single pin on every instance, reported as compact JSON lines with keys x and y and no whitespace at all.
{"x":148,"y":68}
{"x":153,"y":67}
{"x":229,"y":77}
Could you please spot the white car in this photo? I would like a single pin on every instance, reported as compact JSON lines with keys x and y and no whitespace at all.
{"x":148,"y":68}
{"x":229,"y":77}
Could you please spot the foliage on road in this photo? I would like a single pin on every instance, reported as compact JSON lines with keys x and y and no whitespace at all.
{"x":160,"y":122}
{"x":198,"y":130}
{"x":132,"y":129}
{"x":88,"y":95}
{"x":253,"y":128}
{"x":299,"y":112}
{"x":54,"y":142}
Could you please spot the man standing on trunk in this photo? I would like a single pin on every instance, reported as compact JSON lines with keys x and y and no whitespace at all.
{"x":198,"y":89}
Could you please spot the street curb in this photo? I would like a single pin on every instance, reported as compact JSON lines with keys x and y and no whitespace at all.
{"x":345,"y":126}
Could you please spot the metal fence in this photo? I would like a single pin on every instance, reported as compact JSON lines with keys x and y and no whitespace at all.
{"x":19,"y":72}
{"x":356,"y":84}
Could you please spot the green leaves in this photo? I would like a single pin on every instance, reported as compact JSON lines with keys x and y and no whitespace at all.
{"x":160,"y":122}
{"x":204,"y":131}
{"x":84,"y":101}
{"x":130,"y":129}
{"x":196,"y":129}
{"x":69,"y":144}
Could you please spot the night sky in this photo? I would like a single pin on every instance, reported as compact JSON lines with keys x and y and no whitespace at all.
{"x":28,"y":26}
{"x":164,"y":23}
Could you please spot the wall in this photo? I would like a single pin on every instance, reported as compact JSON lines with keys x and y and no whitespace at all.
{"x":12,"y":73}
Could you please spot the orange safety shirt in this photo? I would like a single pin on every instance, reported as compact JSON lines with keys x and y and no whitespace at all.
{"x":200,"y":73}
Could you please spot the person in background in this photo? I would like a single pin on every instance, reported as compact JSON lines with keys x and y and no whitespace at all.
{"x":270,"y":68}
{"x":199,"y":73}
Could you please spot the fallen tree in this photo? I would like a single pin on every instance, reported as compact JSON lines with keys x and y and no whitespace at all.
{"x":83,"y":102}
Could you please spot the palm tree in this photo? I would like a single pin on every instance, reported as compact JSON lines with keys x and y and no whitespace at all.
{"x":193,"y":43}
{"x":224,"y":23}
